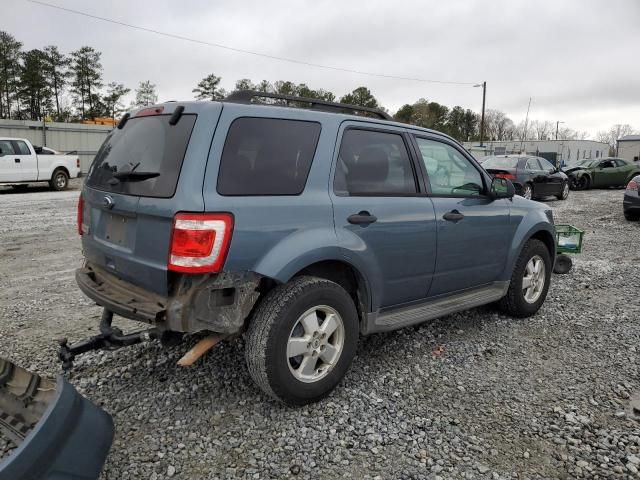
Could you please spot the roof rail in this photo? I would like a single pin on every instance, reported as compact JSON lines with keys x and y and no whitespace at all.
{"x":245,"y":96}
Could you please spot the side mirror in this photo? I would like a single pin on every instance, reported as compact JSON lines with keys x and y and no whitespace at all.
{"x":501,"y":188}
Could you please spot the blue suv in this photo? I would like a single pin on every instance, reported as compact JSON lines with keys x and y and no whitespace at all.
{"x":301,"y":224}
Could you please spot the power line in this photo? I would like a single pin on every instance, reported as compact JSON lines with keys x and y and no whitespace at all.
{"x":240,"y":50}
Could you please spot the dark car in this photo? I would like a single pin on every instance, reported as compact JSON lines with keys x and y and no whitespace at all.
{"x":302,"y":229}
{"x":631,"y":202}
{"x":533,"y":177}
{"x":601,"y":173}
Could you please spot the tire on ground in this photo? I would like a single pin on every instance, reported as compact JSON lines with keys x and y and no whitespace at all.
{"x":59,"y":180}
{"x":562,"y":264}
{"x":272,"y":324}
{"x":514,"y":303}
{"x":631,"y":217}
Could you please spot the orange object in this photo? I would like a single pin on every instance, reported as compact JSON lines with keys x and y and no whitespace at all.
{"x":198,"y":350}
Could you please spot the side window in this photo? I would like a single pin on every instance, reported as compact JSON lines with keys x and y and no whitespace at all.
{"x":449,"y":172}
{"x":373,"y":163}
{"x":533,"y":164}
{"x":23,"y":149}
{"x":546,"y":165}
{"x":267,"y":156}
{"x":621,"y":163}
{"x":606,"y":164}
{"x":6,"y":148}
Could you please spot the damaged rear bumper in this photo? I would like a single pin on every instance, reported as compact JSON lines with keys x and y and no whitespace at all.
{"x":57,"y":432}
{"x":216,"y":303}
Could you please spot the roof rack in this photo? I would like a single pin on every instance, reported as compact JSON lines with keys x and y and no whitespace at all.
{"x":245,"y":96}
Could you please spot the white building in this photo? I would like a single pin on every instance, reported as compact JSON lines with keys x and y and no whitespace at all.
{"x":556,"y":151}
{"x":629,"y":148}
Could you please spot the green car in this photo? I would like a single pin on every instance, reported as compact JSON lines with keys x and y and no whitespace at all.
{"x":601,"y":173}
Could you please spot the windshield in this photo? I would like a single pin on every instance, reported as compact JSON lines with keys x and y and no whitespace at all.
{"x":148,"y":146}
{"x":501,"y":162}
{"x":585,"y":163}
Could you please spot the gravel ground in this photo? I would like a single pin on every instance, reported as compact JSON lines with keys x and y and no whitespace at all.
{"x":471,"y":395}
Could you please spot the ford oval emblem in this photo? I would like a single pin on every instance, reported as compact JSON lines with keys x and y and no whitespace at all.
{"x":107,"y":202}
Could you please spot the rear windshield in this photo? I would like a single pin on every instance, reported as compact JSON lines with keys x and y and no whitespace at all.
{"x":267,"y":156}
{"x":144,"y":145}
{"x":500,"y":162}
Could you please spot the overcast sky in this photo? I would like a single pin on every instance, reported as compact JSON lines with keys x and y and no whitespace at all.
{"x":577,"y":59}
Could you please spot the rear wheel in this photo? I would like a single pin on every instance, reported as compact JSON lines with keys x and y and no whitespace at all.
{"x":59,"y":180}
{"x":529,"y":282}
{"x":583,"y":183}
{"x":631,"y":217}
{"x":302,"y":339}
{"x":564,"y":193}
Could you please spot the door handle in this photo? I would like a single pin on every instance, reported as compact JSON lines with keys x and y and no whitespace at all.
{"x":453,"y":216}
{"x":17,"y":160}
{"x":362,"y":218}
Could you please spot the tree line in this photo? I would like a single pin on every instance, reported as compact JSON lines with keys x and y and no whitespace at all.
{"x":66,"y":87}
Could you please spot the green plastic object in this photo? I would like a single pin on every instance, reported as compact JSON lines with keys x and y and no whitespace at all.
{"x":569,"y":239}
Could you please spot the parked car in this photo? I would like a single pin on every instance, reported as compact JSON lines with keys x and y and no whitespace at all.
{"x":631,"y":201}
{"x":533,"y":177}
{"x":601,"y":173}
{"x":301,"y":228}
{"x":20,"y":165}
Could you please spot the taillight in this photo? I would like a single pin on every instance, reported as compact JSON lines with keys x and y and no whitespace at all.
{"x":633,"y":185}
{"x":200,"y":242}
{"x":78,"y":162}
{"x":506,"y":176}
{"x":80,"y":218}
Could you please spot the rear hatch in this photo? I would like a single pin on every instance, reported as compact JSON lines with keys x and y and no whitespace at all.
{"x":142,"y":175}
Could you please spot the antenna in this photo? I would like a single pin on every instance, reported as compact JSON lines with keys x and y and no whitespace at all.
{"x":526,"y":124}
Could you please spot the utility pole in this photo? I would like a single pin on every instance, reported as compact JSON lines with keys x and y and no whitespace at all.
{"x":484,"y":96}
{"x":557,"y":124}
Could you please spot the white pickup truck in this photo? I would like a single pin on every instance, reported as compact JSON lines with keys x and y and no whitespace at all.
{"x":20,"y":165}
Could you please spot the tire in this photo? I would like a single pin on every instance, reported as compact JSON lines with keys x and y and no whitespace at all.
{"x":564,"y":192}
{"x":277,"y":323}
{"x":563,"y":264}
{"x":59,"y":181}
{"x":514,"y":302}
{"x":583,"y":183}
{"x":527,"y":191}
{"x":631,"y":217}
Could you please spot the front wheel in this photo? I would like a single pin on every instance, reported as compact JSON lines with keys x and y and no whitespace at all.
{"x":631,"y":217}
{"x":302,"y":339}
{"x":583,"y":183}
{"x":59,"y":181}
{"x":529,"y":282}
{"x":564,"y":193}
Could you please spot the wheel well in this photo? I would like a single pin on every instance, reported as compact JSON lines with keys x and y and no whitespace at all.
{"x":344,"y":275}
{"x":57,"y":169}
{"x":546,"y":238}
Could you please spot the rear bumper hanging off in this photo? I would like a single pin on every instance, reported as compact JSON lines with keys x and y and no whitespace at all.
{"x":57,"y":432}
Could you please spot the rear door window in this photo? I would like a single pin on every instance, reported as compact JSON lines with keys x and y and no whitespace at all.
{"x":267,"y":156}
{"x":373,"y":163}
{"x":145,"y":145}
{"x":6,"y":148}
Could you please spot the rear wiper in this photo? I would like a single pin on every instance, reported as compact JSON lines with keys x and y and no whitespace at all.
{"x":131,"y":176}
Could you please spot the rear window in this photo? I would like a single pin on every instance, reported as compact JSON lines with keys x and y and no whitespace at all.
{"x":500,"y":162}
{"x":144,"y":145}
{"x":266,"y":156}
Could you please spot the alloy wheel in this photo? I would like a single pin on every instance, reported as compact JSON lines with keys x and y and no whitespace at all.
{"x":534,"y":279}
{"x":315,"y":343}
